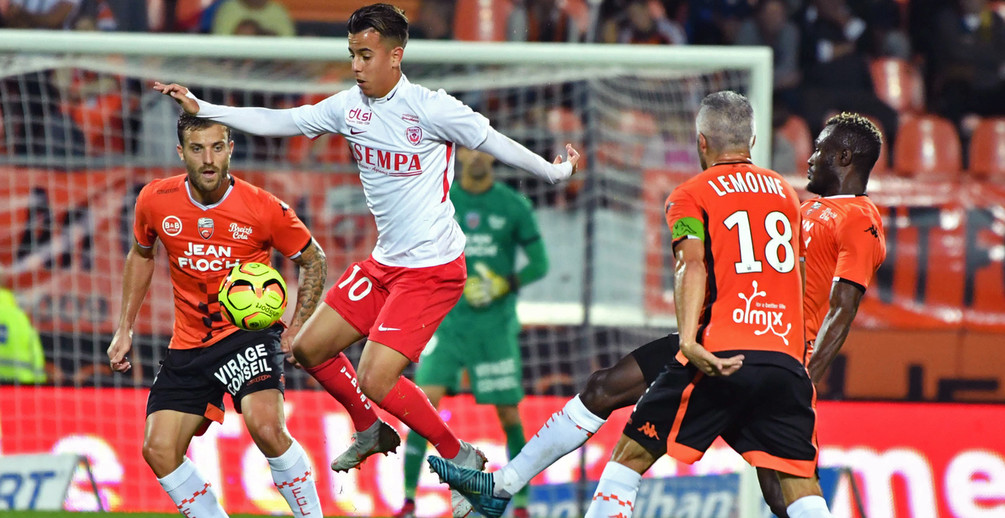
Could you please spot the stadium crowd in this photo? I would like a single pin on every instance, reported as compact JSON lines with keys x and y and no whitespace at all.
{"x":895,"y":61}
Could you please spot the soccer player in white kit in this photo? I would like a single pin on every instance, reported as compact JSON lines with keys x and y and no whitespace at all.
{"x":403,"y":137}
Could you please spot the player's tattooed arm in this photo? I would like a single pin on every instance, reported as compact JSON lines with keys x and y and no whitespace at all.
{"x":313,"y":275}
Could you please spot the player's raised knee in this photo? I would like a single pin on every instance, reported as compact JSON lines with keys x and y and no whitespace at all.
{"x":597,"y":396}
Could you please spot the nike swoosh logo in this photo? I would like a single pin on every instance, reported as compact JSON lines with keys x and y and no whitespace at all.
{"x":354,"y":131}
{"x":382,"y":328}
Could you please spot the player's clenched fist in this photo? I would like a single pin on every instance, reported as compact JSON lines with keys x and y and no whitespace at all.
{"x":180,"y":94}
{"x":122,"y":343}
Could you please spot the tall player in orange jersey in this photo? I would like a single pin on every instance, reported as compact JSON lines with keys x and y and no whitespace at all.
{"x":209,"y":221}
{"x":738,"y":292}
{"x":845,"y":244}
{"x":843,"y":236}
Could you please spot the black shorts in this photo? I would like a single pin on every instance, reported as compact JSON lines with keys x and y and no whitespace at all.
{"x":193,"y":381}
{"x":764,"y":411}
{"x":655,"y":355}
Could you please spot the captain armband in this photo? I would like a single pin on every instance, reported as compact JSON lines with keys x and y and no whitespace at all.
{"x":688,"y":228}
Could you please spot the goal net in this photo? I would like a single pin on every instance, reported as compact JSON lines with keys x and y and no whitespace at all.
{"x":82,"y":132}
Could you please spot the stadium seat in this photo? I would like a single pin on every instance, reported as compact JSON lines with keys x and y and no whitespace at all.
{"x":481,"y":20}
{"x":927,"y":148}
{"x":987,"y":149}
{"x":797,"y":133}
{"x":898,"y":83}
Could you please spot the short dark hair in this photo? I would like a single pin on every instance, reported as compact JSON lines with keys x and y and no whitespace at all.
{"x":188,"y":122}
{"x":727,"y":120}
{"x":387,"y":20}
{"x":860,"y":135}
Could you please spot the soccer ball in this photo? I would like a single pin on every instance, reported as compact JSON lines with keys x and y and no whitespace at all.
{"x":253,"y":296}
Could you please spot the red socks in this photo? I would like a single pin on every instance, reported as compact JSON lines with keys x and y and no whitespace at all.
{"x":338,"y":377}
{"x":408,"y":403}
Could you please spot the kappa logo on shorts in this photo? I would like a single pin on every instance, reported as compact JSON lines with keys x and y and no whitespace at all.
{"x":649,"y":430}
{"x":767,"y":314}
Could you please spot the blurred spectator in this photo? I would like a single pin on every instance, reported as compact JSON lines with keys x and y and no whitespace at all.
{"x":130,"y":15}
{"x":548,"y":20}
{"x":435,"y":21}
{"x":41,"y":14}
{"x":968,"y":62}
{"x":29,"y":101}
{"x":716,"y":22}
{"x":885,"y":35}
{"x":271,"y":17}
{"x":93,"y":100}
{"x":770,"y":26}
{"x":836,"y":74}
{"x":645,"y":21}
{"x":21,"y":356}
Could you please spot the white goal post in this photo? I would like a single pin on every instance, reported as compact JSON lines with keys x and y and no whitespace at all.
{"x":757,"y":60}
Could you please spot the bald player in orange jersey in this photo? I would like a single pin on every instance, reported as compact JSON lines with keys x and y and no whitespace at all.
{"x":208,"y":221}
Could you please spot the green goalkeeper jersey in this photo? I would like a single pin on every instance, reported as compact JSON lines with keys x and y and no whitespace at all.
{"x":496,"y":223}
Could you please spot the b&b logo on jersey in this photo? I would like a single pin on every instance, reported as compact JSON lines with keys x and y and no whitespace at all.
{"x":171,"y":225}
{"x":205,"y":227}
{"x":414,"y":134}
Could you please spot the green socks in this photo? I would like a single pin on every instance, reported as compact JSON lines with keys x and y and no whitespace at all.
{"x":415,"y":453}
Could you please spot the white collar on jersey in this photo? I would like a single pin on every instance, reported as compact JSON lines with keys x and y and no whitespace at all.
{"x":390,"y":95}
{"x":839,"y":196}
{"x":188,"y":190}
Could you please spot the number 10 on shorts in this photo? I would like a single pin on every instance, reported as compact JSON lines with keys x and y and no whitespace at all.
{"x":358,"y":289}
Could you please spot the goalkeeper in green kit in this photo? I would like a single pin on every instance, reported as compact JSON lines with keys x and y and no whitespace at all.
{"x":480,"y":334}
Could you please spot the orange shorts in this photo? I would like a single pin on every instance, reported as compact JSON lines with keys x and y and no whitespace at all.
{"x":397,"y":306}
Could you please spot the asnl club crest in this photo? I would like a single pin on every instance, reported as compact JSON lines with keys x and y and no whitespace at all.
{"x":205,"y":227}
{"x":414,"y":134}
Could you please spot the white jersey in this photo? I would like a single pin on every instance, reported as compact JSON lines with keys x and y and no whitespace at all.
{"x":404,"y":145}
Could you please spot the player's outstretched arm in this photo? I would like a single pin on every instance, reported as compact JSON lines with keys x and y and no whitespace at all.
{"x":265,"y":122}
{"x":138,"y":271}
{"x":844,"y":300}
{"x":310,"y":285}
{"x":514,"y":154}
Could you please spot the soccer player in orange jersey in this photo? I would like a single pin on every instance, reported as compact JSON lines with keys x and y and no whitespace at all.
{"x":843,"y":236}
{"x":208,"y":221}
{"x":738,"y":292}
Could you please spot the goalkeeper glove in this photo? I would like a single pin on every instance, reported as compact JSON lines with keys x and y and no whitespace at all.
{"x":485,"y":287}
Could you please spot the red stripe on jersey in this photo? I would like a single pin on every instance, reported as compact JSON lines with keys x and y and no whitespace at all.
{"x":446,"y":168}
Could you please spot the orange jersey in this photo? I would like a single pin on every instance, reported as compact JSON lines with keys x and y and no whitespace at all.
{"x":204,"y":242}
{"x":844,"y":239}
{"x":749,"y":218}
